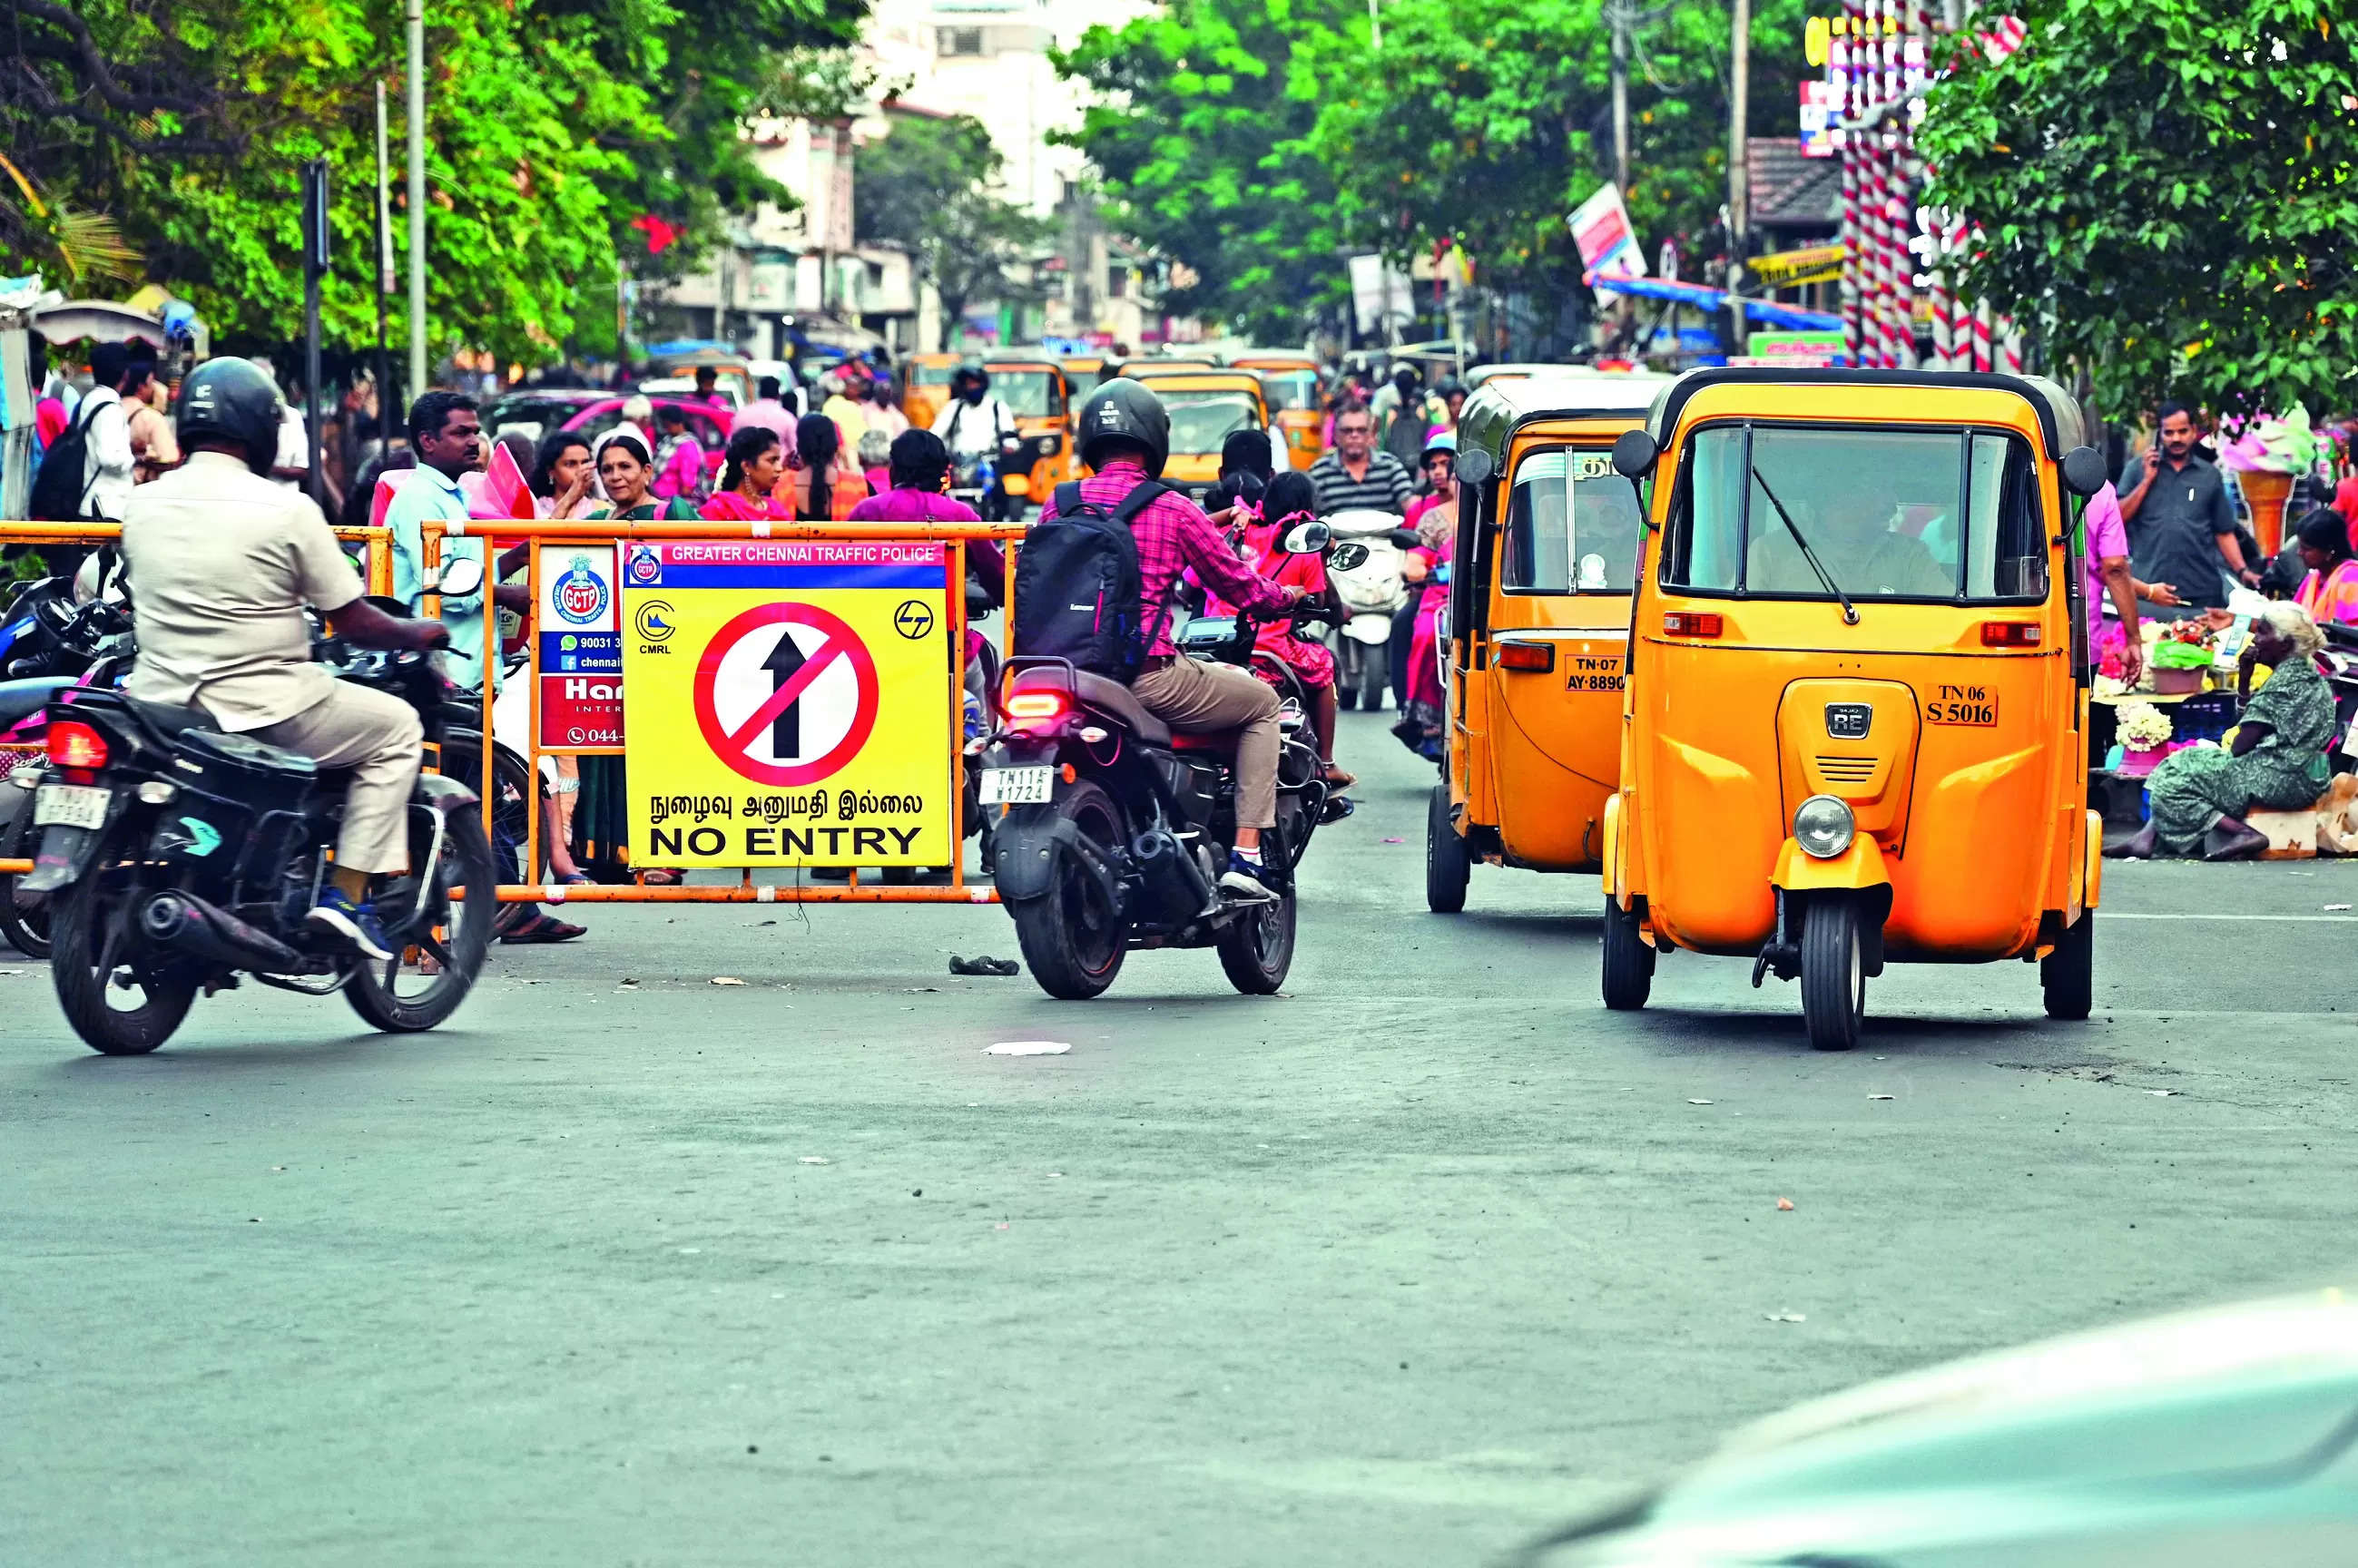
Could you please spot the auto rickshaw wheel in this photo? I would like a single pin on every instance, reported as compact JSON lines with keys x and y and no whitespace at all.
{"x":1447,"y":866}
{"x":1834,"y":973}
{"x":2068,"y":974}
{"x":1629,"y":966}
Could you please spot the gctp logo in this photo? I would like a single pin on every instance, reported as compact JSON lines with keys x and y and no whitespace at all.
{"x":646,"y":567}
{"x":581,"y":596}
{"x":914,"y":619}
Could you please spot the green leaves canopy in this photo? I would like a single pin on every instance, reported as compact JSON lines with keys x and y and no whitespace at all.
{"x":2169,"y":191}
{"x":927,"y":189}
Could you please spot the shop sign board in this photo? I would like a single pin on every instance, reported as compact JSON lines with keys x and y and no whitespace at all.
{"x":791,"y":700}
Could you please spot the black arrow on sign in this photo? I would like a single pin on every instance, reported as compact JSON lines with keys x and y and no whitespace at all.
{"x":786,"y":730}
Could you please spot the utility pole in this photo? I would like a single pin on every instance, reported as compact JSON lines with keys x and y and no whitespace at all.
{"x":317,"y":249}
{"x":385,"y":277}
{"x":416,"y":200}
{"x":1375,"y":26}
{"x":1739,"y":193}
{"x":1617,"y":15}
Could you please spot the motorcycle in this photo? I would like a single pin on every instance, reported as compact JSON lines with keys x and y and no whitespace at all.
{"x":181,"y":857}
{"x":1373,"y":591}
{"x":980,"y":480}
{"x":1116,"y":830}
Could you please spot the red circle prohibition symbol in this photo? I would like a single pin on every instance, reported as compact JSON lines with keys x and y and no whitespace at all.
{"x":838,"y":642}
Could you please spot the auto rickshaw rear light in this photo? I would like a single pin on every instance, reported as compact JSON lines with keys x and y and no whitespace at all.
{"x":2009,"y":633}
{"x":73,"y":745}
{"x":1690,"y":623}
{"x":1538,"y":657}
{"x":1823,"y":827}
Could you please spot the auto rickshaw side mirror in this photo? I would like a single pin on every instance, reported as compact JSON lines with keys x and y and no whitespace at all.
{"x":1635,"y":455}
{"x":1474,"y":466}
{"x":2083,"y":471}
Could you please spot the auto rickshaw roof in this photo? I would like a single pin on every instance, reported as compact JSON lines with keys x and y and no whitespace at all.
{"x":1498,"y":408}
{"x":1208,"y":380}
{"x":2060,"y":424}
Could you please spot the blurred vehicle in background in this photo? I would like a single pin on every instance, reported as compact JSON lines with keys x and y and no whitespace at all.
{"x":925,"y":386}
{"x":1034,"y":389}
{"x":1206,"y":408}
{"x":1290,"y":384}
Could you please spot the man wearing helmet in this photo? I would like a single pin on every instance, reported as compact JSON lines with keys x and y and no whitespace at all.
{"x":222,"y":564}
{"x":974,"y":423}
{"x":1125,"y":436}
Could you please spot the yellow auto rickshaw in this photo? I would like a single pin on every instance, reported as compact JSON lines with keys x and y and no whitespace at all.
{"x":1856,"y":715}
{"x":925,"y":386}
{"x":1538,"y":617}
{"x":1154,"y":367}
{"x":1206,"y":406}
{"x":1289,"y":384}
{"x":1084,"y":371}
{"x":1034,"y":389}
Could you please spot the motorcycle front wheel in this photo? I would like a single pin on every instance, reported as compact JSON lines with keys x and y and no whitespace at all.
{"x":1257,"y":947}
{"x":1073,"y":941}
{"x":424,"y":983}
{"x":117,"y":1000}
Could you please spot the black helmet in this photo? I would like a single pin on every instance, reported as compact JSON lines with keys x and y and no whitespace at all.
{"x":233,"y":401}
{"x":1125,"y":409}
{"x":974,"y":374}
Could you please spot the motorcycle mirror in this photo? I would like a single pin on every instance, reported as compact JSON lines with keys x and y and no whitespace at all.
{"x":1347,"y":556}
{"x":461,"y":578}
{"x":1405,"y":538}
{"x":1308,"y":538}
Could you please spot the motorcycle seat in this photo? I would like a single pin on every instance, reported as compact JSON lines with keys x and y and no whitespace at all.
{"x":21,"y":698}
{"x":1223,"y":741}
{"x":1115,"y":700}
{"x":170,"y":719}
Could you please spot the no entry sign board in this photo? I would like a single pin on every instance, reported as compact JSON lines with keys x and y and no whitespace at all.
{"x":789,"y":702}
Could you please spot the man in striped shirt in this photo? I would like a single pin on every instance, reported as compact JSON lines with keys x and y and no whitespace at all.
{"x":1356,"y":476}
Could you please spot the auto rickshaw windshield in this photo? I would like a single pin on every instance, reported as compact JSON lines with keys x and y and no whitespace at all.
{"x":1290,"y":391}
{"x":1571,"y":525}
{"x":1202,"y":421}
{"x":1950,"y":516}
{"x":1028,"y":393}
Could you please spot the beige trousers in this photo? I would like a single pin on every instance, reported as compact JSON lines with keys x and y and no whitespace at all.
{"x":379,"y":738}
{"x":1188,"y":694}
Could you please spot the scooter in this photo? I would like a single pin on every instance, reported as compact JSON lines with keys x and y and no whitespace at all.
{"x":1372,"y":591}
{"x":1115,"y":829}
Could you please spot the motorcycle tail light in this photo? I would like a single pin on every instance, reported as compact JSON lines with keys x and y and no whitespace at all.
{"x":1538,"y":657}
{"x":75,"y":745}
{"x":1037,"y":709}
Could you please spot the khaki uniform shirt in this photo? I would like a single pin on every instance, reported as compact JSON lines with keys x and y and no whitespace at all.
{"x":221,"y":563}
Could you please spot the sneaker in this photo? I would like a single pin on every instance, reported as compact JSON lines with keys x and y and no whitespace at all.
{"x":356,"y":923}
{"x":1241,"y":882}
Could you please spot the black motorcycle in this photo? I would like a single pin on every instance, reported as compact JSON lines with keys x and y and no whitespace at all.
{"x":1117,"y":830}
{"x":180,"y":857}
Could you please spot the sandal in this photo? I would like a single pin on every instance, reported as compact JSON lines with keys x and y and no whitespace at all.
{"x":1337,"y":779}
{"x":662,"y":876}
{"x":543,"y":928}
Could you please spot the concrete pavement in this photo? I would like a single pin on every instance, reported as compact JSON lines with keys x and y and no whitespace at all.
{"x":1399,"y":1268}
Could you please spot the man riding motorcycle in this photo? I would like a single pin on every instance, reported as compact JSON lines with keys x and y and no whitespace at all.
{"x":222,"y":562}
{"x":1125,"y":435}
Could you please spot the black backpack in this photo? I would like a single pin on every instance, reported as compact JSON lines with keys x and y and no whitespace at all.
{"x":1078,"y":585}
{"x":63,"y":481}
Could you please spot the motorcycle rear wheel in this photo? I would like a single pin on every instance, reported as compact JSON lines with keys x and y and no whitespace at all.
{"x":90,"y":935}
{"x":1072,"y":943}
{"x":399,"y":997}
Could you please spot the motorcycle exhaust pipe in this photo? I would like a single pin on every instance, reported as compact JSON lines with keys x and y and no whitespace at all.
{"x":187,"y":924}
{"x":1176,"y":882}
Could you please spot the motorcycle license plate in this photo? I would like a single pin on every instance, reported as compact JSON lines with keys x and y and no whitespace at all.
{"x":1017,"y":786}
{"x":71,"y":805}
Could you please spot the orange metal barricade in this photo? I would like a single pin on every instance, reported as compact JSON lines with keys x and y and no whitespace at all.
{"x":746,"y":890}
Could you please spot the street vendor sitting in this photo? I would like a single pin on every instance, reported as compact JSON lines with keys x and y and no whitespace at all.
{"x":2277,"y":757}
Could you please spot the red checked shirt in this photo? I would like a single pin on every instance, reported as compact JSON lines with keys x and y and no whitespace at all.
{"x":1172,"y":535}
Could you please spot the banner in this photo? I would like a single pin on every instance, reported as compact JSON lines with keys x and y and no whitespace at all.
{"x":580,"y":648}
{"x":1600,"y":228}
{"x":790,"y":702}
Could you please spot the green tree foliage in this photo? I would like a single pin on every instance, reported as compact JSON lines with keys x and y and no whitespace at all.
{"x":929,"y":188}
{"x":2169,"y":191}
{"x":1201,"y":135}
{"x":550,"y":126}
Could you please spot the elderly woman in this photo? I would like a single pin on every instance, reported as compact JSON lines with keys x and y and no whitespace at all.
{"x":2276,"y":763}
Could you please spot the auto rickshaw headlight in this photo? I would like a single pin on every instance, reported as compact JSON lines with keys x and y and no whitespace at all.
{"x":1823,"y":827}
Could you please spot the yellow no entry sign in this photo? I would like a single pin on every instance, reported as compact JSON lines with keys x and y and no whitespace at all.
{"x":790,"y":702}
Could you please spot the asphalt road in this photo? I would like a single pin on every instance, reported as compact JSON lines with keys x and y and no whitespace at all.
{"x":1396,"y":1269}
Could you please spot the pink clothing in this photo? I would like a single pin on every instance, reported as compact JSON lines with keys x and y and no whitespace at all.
{"x":1314,"y":661}
{"x":984,"y":557}
{"x":682,"y":470}
{"x":729,"y":506}
{"x":1423,"y":656}
{"x":2334,"y":598}
{"x":2108,"y":536}
{"x":769,"y":414}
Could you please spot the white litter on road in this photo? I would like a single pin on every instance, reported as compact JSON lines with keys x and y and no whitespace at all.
{"x":814,"y":1160}
{"x":1029,"y":1048}
{"x":1787,"y":1317}
{"x":1703,"y":1102}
